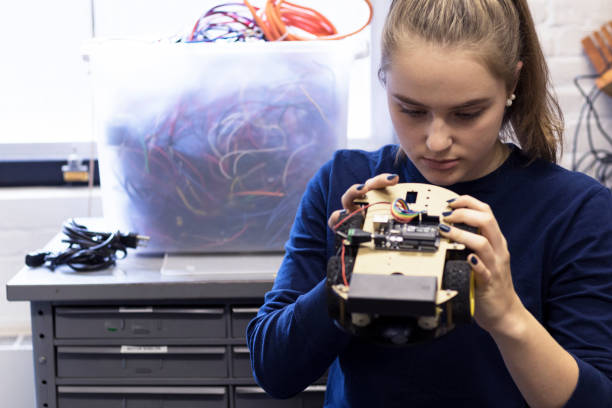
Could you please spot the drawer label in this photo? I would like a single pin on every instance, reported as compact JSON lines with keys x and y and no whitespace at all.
{"x":135,"y":310}
{"x":144,"y":349}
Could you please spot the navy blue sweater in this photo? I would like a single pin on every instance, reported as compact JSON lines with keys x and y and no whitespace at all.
{"x":558,"y":225}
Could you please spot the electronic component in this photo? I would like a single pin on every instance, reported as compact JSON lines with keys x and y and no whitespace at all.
{"x":395,"y":279}
{"x":414,"y":236}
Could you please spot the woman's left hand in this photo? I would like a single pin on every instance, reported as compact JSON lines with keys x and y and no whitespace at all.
{"x":494,"y":294}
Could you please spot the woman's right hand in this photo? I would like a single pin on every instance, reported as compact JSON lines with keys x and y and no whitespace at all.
{"x":358,"y":191}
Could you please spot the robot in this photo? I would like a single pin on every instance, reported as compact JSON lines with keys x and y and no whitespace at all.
{"x":394,"y":278}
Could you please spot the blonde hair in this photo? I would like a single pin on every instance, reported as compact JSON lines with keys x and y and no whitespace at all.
{"x":501,"y":33}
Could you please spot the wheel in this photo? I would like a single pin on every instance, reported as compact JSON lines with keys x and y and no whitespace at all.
{"x":458,"y":276}
{"x":336,"y":305}
{"x":334,"y":270}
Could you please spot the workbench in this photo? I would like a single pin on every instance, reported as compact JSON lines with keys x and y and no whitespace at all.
{"x":152,"y":331}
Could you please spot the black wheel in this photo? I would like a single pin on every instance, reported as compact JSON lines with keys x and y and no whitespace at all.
{"x":334,"y":269}
{"x":335,"y":304}
{"x":458,"y":276}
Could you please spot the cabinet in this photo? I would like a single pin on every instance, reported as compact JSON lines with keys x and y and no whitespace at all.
{"x":133,"y":337}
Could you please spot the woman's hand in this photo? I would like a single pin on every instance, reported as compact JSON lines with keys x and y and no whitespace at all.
{"x":496,"y":299}
{"x":358,"y":191}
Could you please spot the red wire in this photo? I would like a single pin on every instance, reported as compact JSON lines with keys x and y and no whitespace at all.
{"x":343,"y":247}
{"x":165,"y":156}
{"x":191,"y":166}
{"x":305,"y":11}
{"x":195,"y":28}
{"x":335,"y":227}
{"x":343,"y":268}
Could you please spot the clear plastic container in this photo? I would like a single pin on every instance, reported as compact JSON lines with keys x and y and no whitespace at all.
{"x":209,"y":147}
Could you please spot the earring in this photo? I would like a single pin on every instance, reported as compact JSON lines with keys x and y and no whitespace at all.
{"x":510,"y":99}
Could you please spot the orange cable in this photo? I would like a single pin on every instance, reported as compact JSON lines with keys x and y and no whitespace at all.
{"x":322,"y":18}
{"x":279,"y":13}
{"x":260,"y":193}
{"x":258,"y":20}
{"x":273,"y":15}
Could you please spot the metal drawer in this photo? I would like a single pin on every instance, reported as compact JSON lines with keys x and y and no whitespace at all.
{"x":142,"y":361}
{"x":139,"y":322}
{"x":255,"y":397}
{"x":241,"y":362}
{"x":141,"y":397}
{"x":240,"y":317}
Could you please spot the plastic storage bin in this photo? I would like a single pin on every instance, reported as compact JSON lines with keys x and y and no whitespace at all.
{"x":209,"y":147}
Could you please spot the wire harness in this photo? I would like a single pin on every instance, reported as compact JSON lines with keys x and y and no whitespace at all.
{"x":216,"y":156}
{"x":87,"y":250}
{"x":280,"y":16}
{"x":224,"y":168}
{"x":278,"y":20}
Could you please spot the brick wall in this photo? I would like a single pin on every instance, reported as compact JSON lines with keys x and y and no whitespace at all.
{"x":561,"y":24}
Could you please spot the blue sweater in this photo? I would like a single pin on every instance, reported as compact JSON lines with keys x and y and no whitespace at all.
{"x":558,"y":225}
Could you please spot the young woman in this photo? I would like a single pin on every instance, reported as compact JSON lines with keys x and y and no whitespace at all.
{"x":467,"y":88}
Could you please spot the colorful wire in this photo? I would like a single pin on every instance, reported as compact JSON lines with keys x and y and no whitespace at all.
{"x":229,"y":22}
{"x":401,"y":212}
{"x":280,"y":16}
{"x":225,"y":170}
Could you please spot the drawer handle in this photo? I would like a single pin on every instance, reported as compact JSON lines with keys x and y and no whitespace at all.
{"x":135,"y":310}
{"x":257,"y":390}
{"x":130,"y":349}
{"x":65,"y":389}
{"x":245,"y":310}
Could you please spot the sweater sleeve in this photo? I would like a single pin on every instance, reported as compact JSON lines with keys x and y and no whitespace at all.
{"x":292,"y":340}
{"x":579,"y":299}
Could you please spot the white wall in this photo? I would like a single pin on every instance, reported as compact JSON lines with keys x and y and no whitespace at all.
{"x":32,"y":216}
{"x":17,"y":370}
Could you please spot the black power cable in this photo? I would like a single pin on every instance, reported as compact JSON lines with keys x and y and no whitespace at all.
{"x":87,"y":250}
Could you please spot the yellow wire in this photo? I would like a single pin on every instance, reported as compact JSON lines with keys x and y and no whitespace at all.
{"x":189,"y":206}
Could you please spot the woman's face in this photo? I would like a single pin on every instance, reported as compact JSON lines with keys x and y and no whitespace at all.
{"x":447,"y":109}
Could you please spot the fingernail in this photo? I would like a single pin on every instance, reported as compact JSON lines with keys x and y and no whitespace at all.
{"x":447,"y":213}
{"x":474,"y":260}
{"x":360,"y":187}
{"x":391,"y":177}
{"x":451,"y":200}
{"x":444,"y":228}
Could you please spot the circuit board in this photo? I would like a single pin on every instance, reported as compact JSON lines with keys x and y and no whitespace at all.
{"x":417,"y":235}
